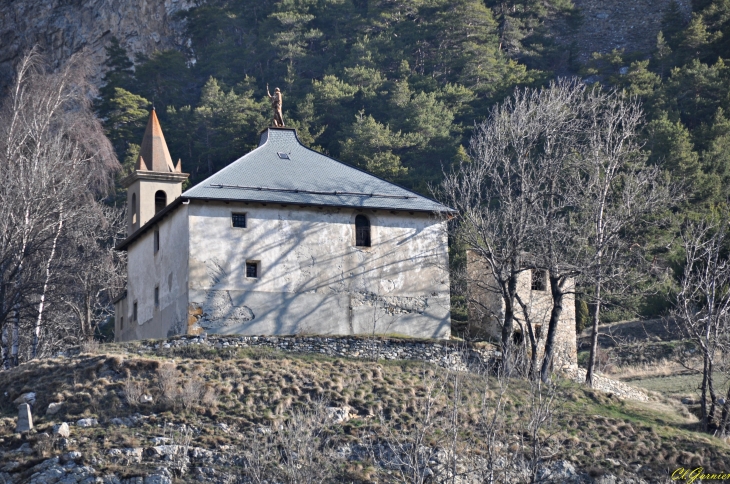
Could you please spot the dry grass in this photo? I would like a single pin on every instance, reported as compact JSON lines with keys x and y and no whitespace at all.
{"x":248,"y":389}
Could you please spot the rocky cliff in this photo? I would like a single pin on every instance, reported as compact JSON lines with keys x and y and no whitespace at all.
{"x":63,"y":27}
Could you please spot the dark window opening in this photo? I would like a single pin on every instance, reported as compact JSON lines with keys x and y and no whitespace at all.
{"x":517,"y":338}
{"x":157,"y":241}
{"x":239,"y":220}
{"x":252,"y":269}
{"x":362,"y":231}
{"x":121,"y":322}
{"x":283,"y":156}
{"x":134,"y":311}
{"x":157,"y":296}
{"x":134,"y":209}
{"x":538,"y":280}
{"x":160,"y":200}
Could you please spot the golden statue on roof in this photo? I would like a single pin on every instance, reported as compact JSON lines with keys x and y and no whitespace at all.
{"x":276,"y":104}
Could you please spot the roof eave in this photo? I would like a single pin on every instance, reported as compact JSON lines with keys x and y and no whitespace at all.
{"x":123,"y":245}
{"x":306,"y":204}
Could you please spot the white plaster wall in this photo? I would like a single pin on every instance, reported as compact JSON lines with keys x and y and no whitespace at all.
{"x":312,"y":277}
{"x":145,"y":191}
{"x":168,"y":269}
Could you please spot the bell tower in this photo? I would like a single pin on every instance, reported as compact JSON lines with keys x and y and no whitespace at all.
{"x":155,"y":182}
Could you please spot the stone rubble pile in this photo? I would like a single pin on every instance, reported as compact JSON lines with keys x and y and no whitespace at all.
{"x":606,"y":385}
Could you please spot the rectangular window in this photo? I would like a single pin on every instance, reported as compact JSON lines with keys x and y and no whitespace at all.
{"x":121,"y":322}
{"x":157,"y":241}
{"x":157,"y":296}
{"x":239,"y":220}
{"x":538,"y":280}
{"x":252,"y":269}
{"x":134,"y":311}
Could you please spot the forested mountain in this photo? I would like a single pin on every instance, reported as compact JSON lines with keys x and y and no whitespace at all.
{"x":395,"y":87}
{"x":392,"y":87}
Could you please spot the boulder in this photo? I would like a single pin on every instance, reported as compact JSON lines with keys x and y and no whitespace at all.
{"x":339,"y":414}
{"x":87,"y":422}
{"x":28,"y":398}
{"x":25,"y":419}
{"x":53,"y":408}
{"x":62,"y":430}
{"x":145,"y":399}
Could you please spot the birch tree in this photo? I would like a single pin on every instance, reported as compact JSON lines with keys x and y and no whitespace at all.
{"x":54,"y":162}
{"x":619,"y":195}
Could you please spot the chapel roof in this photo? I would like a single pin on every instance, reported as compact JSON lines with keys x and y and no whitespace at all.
{"x":283,"y":170}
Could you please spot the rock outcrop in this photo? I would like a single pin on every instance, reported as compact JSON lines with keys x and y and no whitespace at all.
{"x":63,"y":27}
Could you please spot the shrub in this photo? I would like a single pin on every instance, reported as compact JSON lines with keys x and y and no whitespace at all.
{"x":133,"y":390}
{"x":168,"y":378}
{"x":582,"y":315}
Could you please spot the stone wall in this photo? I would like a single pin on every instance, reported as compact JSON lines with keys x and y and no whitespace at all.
{"x":453,"y":355}
{"x":615,"y":24}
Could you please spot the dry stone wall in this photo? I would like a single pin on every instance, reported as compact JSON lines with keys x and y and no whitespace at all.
{"x":454,"y":355}
{"x":607,"y":25}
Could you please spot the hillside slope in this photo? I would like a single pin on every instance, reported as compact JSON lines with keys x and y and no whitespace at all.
{"x":243,"y":414}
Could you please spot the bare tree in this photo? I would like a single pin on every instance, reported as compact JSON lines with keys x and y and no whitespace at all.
{"x":703,"y":302}
{"x":619,"y":193}
{"x":54,"y":161}
{"x":517,"y":156}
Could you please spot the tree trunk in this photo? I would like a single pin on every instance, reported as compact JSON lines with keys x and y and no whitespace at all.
{"x":16,"y":336}
{"x":594,"y":337}
{"x":5,"y":348}
{"x":508,"y":326}
{"x":557,"y":294}
{"x":41,"y":304}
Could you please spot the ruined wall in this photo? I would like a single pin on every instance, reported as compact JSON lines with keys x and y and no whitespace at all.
{"x":313,"y":279}
{"x":168,"y":270}
{"x":486,"y":310}
{"x":607,"y":25}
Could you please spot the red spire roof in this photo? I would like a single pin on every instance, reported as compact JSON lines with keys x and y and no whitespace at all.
{"x":154,"y":155}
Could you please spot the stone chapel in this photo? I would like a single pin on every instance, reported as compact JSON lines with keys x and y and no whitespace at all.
{"x":282,"y":241}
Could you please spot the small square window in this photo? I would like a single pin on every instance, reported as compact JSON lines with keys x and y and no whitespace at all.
{"x":252,"y":269}
{"x":157,"y":296}
{"x":134,"y":311}
{"x":157,"y":241}
{"x":239,"y":220}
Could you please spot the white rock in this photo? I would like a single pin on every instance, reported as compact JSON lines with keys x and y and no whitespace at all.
{"x":53,"y":408}
{"x":87,"y":422}
{"x":62,"y":430}
{"x":145,"y":399}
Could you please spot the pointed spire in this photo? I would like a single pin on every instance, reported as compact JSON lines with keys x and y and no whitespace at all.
{"x":154,"y":155}
{"x":178,"y":167}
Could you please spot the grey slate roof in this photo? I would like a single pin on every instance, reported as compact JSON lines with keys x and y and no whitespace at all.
{"x":282,"y":170}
